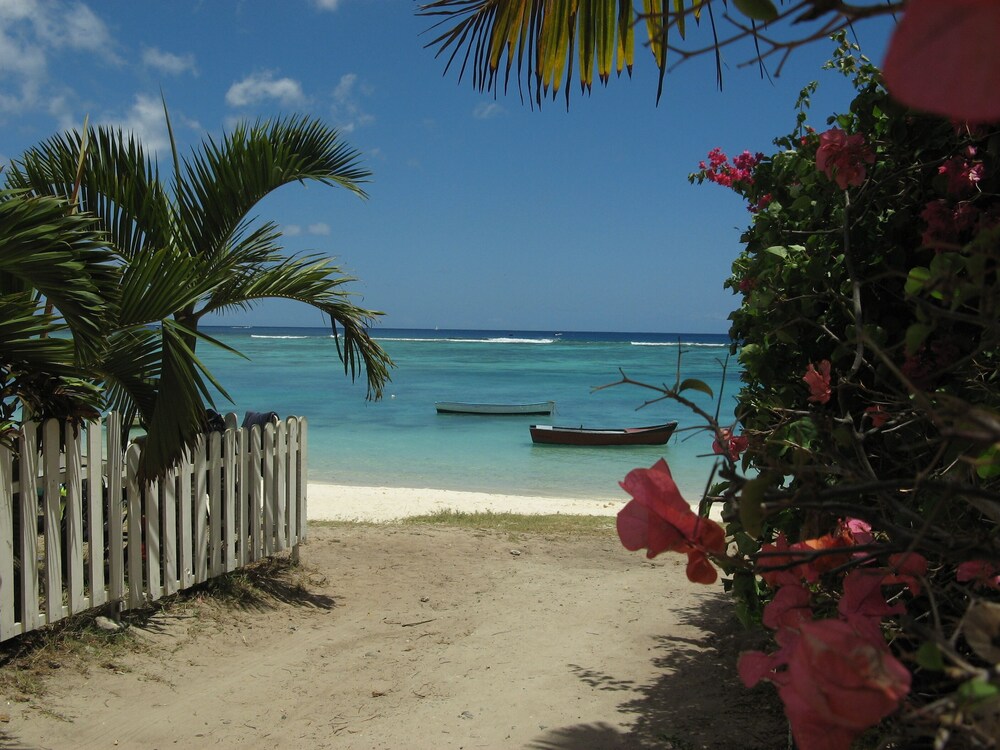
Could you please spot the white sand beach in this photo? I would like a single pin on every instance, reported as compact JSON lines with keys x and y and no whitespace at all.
{"x":334,"y":502}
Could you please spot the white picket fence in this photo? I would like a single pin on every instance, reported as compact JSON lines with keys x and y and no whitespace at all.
{"x":78,"y":532}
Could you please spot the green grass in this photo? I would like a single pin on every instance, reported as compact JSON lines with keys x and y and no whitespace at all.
{"x":521,"y":524}
{"x":74,"y":644}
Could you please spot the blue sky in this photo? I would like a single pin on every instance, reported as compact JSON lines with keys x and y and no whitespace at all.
{"x":483,"y":213}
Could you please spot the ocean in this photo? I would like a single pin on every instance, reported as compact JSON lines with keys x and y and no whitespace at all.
{"x":401,"y":441}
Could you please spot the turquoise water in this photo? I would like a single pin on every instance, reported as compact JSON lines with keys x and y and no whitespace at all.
{"x":401,"y":441}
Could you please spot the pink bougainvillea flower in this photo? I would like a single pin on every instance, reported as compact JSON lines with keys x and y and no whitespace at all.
{"x":963,"y":176}
{"x":658,"y":519}
{"x":776,"y":562}
{"x":835,"y":679}
{"x":775,"y":568}
{"x":842,"y":158}
{"x":818,"y":380}
{"x":863,"y":596}
{"x":980,"y":572}
{"x":860,"y":531}
{"x":731,"y":445}
{"x":940,"y":220}
{"x":907,"y":568}
{"x":735,"y":175}
{"x":878,"y":415}
{"x":944,"y":58}
{"x":789,"y":608}
{"x":763,"y":202}
{"x":840,"y":681}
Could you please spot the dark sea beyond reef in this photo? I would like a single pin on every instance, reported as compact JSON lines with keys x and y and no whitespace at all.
{"x":401,"y":441}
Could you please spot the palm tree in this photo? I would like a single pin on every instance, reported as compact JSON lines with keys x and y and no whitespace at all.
{"x":190,"y":248}
{"x":546,"y":38}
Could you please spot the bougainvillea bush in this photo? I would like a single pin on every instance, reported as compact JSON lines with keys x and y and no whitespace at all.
{"x":861,"y":492}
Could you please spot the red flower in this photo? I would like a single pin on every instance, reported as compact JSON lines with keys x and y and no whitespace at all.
{"x":658,"y":519}
{"x":818,"y":382}
{"x":980,"y":572}
{"x":840,"y":682}
{"x":731,"y":445}
{"x":842,"y":158}
{"x":863,"y":596}
{"x":775,"y":568}
{"x":763,"y":202}
{"x":879,"y":416}
{"x":962,"y":176}
{"x":859,"y":531}
{"x":779,"y":569}
{"x":944,"y":58}
{"x":835,"y":680}
{"x":789,"y":608}
{"x":908,"y":568}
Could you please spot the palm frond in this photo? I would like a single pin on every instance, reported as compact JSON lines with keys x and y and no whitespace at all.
{"x":312,"y":280}
{"x":175,"y":423}
{"x":221,"y":183}
{"x":64,"y":257}
{"x":543,"y":36}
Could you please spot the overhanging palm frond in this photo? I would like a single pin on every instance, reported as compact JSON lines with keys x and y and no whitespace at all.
{"x":540,"y":35}
{"x":546,"y":36}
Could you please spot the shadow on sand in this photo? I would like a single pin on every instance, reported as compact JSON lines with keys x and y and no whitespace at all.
{"x":697,"y":703}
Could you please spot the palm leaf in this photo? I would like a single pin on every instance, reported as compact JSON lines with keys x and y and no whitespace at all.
{"x":543,"y":36}
{"x":222,"y":183}
{"x":62,"y":256}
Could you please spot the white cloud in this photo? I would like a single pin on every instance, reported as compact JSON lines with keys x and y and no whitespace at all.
{"x":146,"y":121}
{"x":319,"y":229}
{"x":487,"y":110}
{"x":167,"y":62}
{"x":82,"y":30}
{"x":327,"y":4}
{"x":346,"y":108}
{"x":31,"y":31}
{"x":261,"y":86}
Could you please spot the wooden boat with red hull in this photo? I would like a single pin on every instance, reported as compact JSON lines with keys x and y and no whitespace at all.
{"x":653,"y":435}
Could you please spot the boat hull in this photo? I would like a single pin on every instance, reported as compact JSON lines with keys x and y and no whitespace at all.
{"x":652,"y":435}
{"x":459,"y":407}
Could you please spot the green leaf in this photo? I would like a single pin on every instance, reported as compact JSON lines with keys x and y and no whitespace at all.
{"x":758,"y":10}
{"x":917,"y":279}
{"x":780,"y":250}
{"x":751,"y":514}
{"x":745,"y":543}
{"x":978,"y":689}
{"x":690,"y":384}
{"x":929,"y":657}
{"x":988,"y":464}
{"x":916,"y":334}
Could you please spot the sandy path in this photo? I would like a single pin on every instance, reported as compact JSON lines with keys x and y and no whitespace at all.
{"x":417,"y":638}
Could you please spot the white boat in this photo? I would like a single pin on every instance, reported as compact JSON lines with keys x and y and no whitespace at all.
{"x":462,"y":407}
